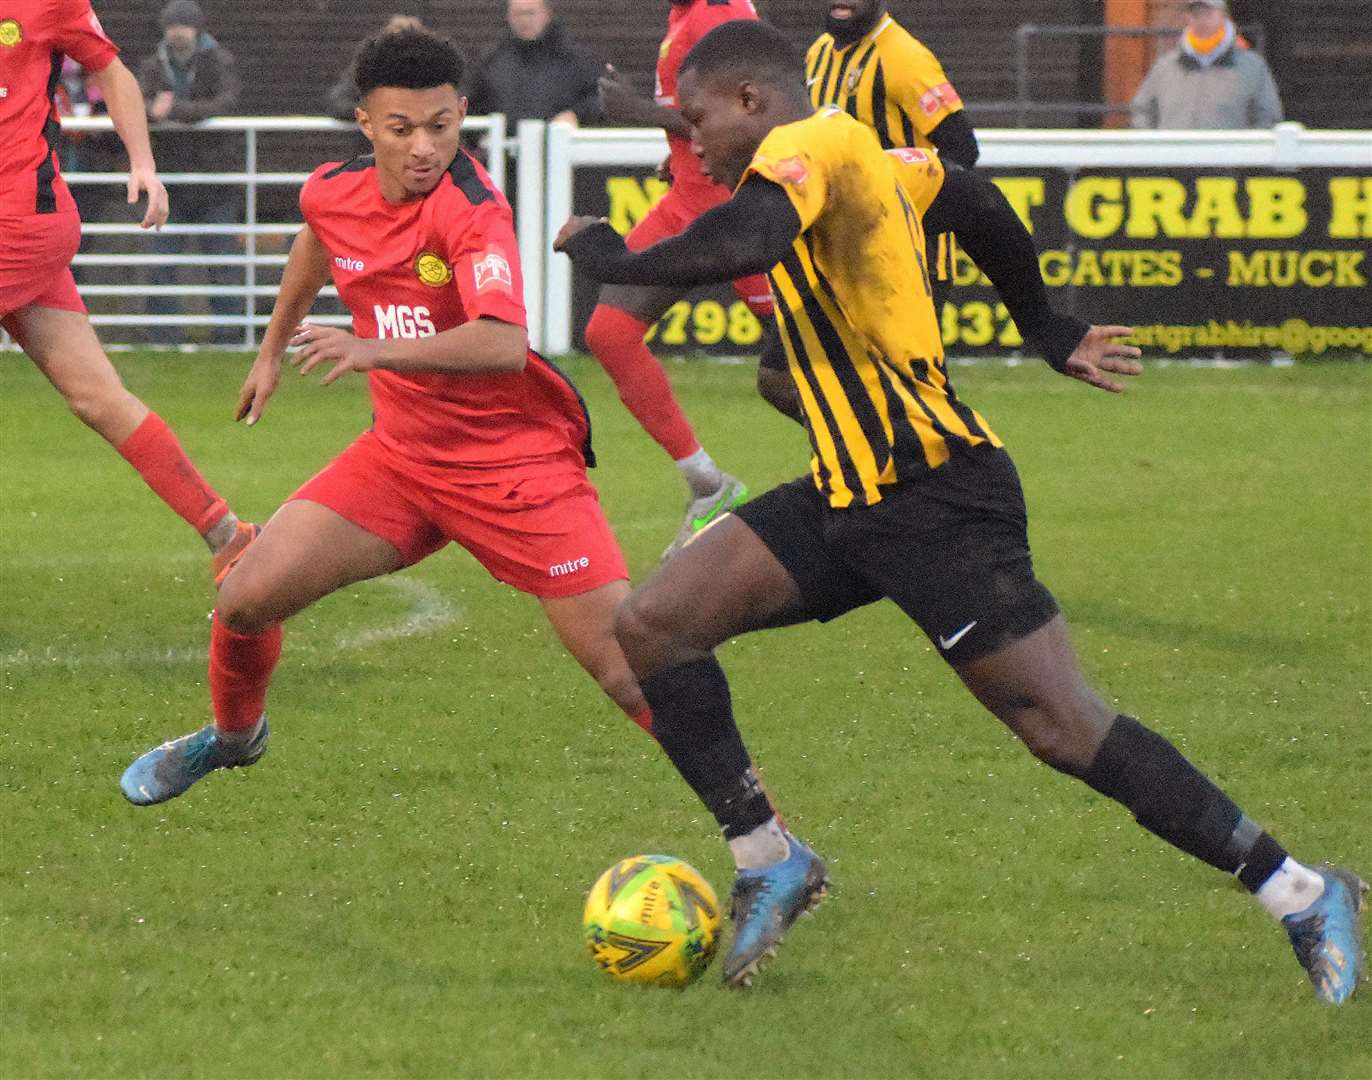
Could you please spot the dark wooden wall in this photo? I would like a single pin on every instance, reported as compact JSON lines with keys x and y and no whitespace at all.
{"x":291,"y":50}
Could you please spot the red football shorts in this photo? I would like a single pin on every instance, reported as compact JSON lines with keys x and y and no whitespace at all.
{"x":545,"y":535}
{"x":35,"y":263}
{"x":670,"y":217}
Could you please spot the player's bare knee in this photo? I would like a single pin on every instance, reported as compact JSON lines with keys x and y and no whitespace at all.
{"x":1064,"y":735}
{"x":241,"y":606}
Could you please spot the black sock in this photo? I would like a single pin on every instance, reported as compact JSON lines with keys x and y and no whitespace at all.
{"x":693,"y":720}
{"x":1172,"y":799}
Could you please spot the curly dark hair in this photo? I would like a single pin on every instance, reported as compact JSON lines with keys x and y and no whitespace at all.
{"x":411,"y":59}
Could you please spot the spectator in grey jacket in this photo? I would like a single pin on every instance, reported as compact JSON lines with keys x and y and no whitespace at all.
{"x":538,"y":72}
{"x":1211,"y":80}
{"x":191,"y":77}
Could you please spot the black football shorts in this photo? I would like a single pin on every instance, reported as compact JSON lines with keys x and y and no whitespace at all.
{"x":951,"y":550}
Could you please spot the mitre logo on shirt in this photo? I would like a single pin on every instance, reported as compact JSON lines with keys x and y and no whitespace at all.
{"x":492,"y":271}
{"x":11,"y":33}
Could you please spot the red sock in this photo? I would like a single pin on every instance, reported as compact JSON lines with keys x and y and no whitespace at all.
{"x":241,"y":666}
{"x":616,"y":339}
{"x":153,"y":450}
{"x":644,"y":719}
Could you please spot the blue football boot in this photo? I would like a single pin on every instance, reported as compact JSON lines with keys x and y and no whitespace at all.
{"x":1327,"y":936}
{"x":166,"y":771}
{"x":765,"y":904}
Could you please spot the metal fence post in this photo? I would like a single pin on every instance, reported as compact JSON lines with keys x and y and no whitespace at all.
{"x":533,"y":240}
{"x":250,"y":241}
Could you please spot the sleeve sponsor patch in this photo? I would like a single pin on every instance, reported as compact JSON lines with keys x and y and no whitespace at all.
{"x":909,"y":155}
{"x":491,"y":270}
{"x":791,"y":170}
{"x":940,"y":97}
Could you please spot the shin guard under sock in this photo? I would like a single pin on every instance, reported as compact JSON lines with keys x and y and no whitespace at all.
{"x":616,"y":339}
{"x":1172,"y":799}
{"x":693,"y":720}
{"x":241,"y":667}
{"x":154,"y":451}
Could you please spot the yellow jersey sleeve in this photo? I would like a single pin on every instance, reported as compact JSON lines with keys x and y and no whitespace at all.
{"x":795,"y":157}
{"x":921,"y":175}
{"x":916,"y":81}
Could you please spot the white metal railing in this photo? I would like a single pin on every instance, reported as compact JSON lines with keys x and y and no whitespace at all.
{"x":250,"y":179}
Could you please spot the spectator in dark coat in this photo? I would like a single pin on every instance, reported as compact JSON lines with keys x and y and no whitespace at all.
{"x":189,"y":78}
{"x":538,"y":72}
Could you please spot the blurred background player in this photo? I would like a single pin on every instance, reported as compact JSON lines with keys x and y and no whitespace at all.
{"x":191,"y":77}
{"x":40,"y":232}
{"x":875,"y":70}
{"x":624,"y":314}
{"x":911,"y":498}
{"x":475,"y":439}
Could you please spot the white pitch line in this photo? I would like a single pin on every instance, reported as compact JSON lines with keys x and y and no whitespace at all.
{"x":429,"y":612}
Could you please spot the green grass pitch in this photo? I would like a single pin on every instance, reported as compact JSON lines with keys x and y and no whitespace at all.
{"x":396,"y":889}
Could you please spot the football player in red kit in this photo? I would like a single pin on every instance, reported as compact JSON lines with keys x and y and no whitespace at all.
{"x":40,"y":232}
{"x":475,"y":440}
{"x":625,"y":313}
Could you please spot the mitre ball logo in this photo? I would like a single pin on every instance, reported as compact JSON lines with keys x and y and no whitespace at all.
{"x":432,"y":270}
{"x":11,"y":33}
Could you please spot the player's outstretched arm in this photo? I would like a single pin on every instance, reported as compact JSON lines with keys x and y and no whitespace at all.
{"x":307,"y":271}
{"x":749,"y":234}
{"x":624,"y":105}
{"x":973,"y":209}
{"x":124,"y":100}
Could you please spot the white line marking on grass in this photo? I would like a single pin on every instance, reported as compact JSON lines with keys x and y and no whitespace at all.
{"x":429,"y":612}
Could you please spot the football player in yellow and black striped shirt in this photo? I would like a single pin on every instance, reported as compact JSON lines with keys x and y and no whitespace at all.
{"x":911,"y":496}
{"x":876,"y":71}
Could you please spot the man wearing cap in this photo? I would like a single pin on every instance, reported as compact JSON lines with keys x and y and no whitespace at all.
{"x":191,"y":77}
{"x":1211,"y":80}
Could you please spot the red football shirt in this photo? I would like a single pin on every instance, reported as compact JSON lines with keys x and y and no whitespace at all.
{"x":417,"y":268}
{"x":34,"y":36}
{"x":686,"y":25}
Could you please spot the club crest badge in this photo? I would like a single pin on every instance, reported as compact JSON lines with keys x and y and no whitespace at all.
{"x":432,"y":270}
{"x":11,"y":33}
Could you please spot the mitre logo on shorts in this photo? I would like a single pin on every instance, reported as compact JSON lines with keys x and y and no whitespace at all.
{"x":348,"y":263}
{"x":492,"y":271}
{"x":571,"y":566}
{"x":11,"y":33}
{"x":402,"y":321}
{"x":432,"y":270}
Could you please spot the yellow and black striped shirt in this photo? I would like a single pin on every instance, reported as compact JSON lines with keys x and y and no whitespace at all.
{"x":890,"y":81}
{"x":854,"y":306}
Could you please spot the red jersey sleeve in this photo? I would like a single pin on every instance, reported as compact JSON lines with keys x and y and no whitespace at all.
{"x":78,"y":33}
{"x":485,"y":262}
